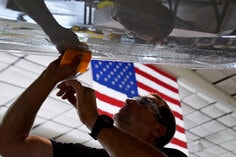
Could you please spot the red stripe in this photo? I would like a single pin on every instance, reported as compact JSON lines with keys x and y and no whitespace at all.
{"x":109,"y":100}
{"x":178,"y":115}
{"x":172,"y":100}
{"x":100,"y":111}
{"x":156,"y":80}
{"x":180,"y":129}
{"x":167,"y":98}
{"x":161,"y":72}
{"x":179,"y":142}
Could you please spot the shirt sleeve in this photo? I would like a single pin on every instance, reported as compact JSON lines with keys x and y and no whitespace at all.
{"x":76,"y":150}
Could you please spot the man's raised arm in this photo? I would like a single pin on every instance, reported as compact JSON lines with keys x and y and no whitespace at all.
{"x":18,"y":120}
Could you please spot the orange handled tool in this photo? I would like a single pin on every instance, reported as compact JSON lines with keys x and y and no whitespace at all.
{"x":69,"y":55}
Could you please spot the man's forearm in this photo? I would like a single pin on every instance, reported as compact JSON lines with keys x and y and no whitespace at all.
{"x":19,"y":119}
{"x":119,"y":143}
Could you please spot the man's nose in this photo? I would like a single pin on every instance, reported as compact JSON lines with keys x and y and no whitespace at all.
{"x":131,"y":102}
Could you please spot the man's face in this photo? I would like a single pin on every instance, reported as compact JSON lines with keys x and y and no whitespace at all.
{"x":135,"y":117}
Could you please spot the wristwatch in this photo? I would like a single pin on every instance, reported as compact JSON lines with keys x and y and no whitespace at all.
{"x":103,"y":121}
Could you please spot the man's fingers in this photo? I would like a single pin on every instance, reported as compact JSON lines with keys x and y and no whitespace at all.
{"x":75,"y":84}
{"x":64,"y":88}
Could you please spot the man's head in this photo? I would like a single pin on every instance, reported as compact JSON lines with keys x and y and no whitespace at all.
{"x":168,"y":120}
{"x":147,"y":20}
{"x":148,"y":118}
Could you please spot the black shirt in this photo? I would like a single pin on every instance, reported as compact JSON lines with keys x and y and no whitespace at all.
{"x":80,"y":150}
{"x":76,"y":150}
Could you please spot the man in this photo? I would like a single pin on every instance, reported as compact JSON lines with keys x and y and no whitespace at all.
{"x":147,"y":20}
{"x":142,"y":126}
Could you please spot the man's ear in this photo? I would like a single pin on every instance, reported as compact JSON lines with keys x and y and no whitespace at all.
{"x":159,"y":132}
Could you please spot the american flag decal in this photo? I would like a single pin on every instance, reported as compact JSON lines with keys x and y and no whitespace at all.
{"x":115,"y":81}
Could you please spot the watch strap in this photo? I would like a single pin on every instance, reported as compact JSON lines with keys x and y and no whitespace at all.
{"x":103,"y":121}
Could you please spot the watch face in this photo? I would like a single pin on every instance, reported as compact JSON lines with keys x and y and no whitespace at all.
{"x":107,"y":119}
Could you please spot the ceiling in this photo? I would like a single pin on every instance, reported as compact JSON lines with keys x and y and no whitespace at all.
{"x":207,"y":91}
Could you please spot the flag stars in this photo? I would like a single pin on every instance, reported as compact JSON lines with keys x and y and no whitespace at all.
{"x":96,"y":66}
{"x":97,"y":76}
{"x":119,"y":76}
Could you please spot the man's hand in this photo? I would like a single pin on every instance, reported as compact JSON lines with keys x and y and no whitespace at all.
{"x":67,"y":93}
{"x":84,"y":101}
{"x":57,"y":72}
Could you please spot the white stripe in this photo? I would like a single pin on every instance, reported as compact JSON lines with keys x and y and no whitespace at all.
{"x":156,"y":86}
{"x":175,"y":107}
{"x":179,"y":122}
{"x":180,"y":136}
{"x":107,"y":107}
{"x":142,"y":92}
{"x":157,"y":75}
{"x":108,"y":91}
